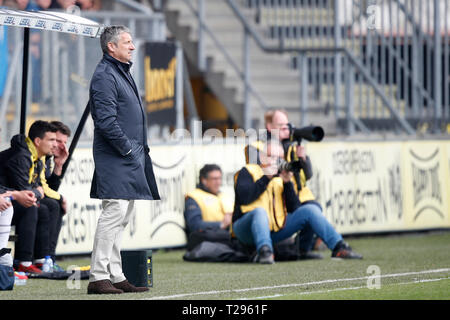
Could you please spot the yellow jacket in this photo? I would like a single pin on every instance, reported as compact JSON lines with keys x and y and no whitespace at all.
{"x":47,"y":190}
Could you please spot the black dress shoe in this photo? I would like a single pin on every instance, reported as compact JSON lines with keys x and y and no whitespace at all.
{"x":125,"y":286}
{"x":102,"y":287}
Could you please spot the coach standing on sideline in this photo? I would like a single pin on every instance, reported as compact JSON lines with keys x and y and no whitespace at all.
{"x":123,"y":168}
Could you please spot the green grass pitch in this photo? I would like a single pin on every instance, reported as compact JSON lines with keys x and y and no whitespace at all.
{"x":409,"y":266}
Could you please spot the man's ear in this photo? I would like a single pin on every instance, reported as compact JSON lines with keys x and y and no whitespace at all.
{"x":37,"y":141}
{"x":111,"y":46}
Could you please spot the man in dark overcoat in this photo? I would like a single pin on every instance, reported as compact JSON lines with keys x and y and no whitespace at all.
{"x":123,"y":168}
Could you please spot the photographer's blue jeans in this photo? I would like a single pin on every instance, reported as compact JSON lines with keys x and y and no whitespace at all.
{"x":253,"y":228}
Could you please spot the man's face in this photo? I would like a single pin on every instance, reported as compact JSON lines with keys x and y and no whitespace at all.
{"x":61,"y":143}
{"x":272,"y":156}
{"x":213,"y":182}
{"x":44,"y":3}
{"x":279,"y":126}
{"x":122,"y":50}
{"x":66,"y":3}
{"x":85,"y":4}
{"x":46,"y":145}
{"x":22,"y":4}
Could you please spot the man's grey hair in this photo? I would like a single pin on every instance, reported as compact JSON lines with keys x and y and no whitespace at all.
{"x":111,"y":34}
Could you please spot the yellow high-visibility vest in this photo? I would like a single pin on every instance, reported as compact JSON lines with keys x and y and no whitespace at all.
{"x":213,"y":207}
{"x":305,"y":193}
{"x":271,"y":200}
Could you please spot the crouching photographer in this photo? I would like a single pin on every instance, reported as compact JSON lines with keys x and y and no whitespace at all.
{"x":267,"y":209}
{"x":278,"y":127}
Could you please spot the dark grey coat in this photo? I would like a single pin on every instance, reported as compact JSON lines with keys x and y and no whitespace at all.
{"x":120,"y":126}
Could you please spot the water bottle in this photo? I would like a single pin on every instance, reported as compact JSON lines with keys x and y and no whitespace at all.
{"x":48,"y":264}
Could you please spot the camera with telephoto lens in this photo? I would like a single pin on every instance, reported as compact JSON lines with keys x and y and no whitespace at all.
{"x":310,"y":133}
{"x":292,"y":166}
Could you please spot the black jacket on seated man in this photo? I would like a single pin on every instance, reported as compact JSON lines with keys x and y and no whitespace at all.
{"x":20,"y":169}
{"x":19,"y":166}
{"x":207,"y":241}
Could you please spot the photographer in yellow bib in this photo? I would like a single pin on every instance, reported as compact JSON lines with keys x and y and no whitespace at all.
{"x":206,"y":207}
{"x":279,"y":128}
{"x":268,"y":210}
{"x":208,"y":214}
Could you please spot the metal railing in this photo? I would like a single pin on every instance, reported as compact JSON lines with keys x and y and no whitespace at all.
{"x":242,"y":73}
{"x":400,"y":64}
{"x":374,"y":63}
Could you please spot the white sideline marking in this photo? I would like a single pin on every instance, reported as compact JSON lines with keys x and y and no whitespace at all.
{"x":288,"y":285}
{"x":263,"y":297}
{"x":341,"y":289}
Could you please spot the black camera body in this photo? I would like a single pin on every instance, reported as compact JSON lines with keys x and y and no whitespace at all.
{"x":293,"y":166}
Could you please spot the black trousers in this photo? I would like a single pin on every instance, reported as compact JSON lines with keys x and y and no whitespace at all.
{"x":55,"y":214}
{"x":31,"y":226}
